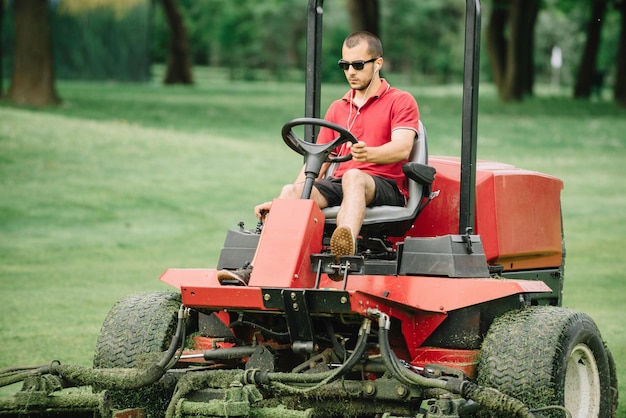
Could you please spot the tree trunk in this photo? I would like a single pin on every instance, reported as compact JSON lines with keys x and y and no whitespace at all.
{"x":587,"y":70}
{"x":32,"y":82}
{"x":179,"y":60}
{"x":496,"y":41}
{"x":512,"y":88}
{"x":527,"y":17}
{"x":511,"y":57}
{"x":1,"y":48}
{"x":619,"y":89}
{"x":364,"y":15}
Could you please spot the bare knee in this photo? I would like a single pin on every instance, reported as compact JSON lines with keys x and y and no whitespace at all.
{"x":356,"y":183}
{"x":291,"y":191}
{"x":355,"y":178}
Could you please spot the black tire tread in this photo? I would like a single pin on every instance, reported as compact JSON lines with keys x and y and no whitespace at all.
{"x":520,"y":354}
{"x":136,"y":325}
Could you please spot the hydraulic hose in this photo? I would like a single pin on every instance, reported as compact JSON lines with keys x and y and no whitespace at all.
{"x":18,"y":374}
{"x":339,"y":350}
{"x":318,"y":379}
{"x":168,"y":360}
{"x":488,"y":398}
{"x":120,"y":379}
{"x":495,"y":401}
{"x":393,"y":364}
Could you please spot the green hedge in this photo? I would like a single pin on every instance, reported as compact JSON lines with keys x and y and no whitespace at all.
{"x":93,"y":45}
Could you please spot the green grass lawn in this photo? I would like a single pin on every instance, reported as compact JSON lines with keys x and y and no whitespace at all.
{"x":102,"y":194}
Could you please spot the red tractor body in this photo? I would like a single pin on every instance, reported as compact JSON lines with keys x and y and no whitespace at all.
{"x":518,"y":213}
{"x":294,"y":231}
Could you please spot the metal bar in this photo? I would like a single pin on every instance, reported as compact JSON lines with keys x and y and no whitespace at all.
{"x":313,"y":85}
{"x":298,"y":317}
{"x":470,"y":113}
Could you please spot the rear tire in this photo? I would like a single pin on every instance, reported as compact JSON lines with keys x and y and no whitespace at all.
{"x":136,"y":330}
{"x":547,"y":356}
{"x":614,"y":384}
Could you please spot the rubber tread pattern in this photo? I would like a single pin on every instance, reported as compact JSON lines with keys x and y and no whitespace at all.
{"x":522,"y":354}
{"x":136,"y":325}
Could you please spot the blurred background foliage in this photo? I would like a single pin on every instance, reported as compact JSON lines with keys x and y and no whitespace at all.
{"x":265,"y":39}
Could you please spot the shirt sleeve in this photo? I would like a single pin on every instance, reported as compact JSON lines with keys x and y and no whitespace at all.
{"x":405,"y":113}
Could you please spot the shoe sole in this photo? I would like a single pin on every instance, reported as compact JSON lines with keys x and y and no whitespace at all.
{"x":342,"y":242}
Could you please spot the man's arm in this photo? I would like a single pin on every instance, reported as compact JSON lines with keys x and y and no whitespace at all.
{"x":398,"y":149}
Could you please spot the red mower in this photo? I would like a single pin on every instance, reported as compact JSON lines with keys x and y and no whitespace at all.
{"x":451,"y":306}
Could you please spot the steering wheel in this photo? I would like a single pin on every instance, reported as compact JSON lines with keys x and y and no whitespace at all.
{"x":315,"y":155}
{"x":303,"y":148}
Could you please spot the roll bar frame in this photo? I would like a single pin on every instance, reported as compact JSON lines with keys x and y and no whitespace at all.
{"x":471,"y":70}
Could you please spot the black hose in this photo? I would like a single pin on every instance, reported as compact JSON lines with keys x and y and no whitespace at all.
{"x":396,"y":369}
{"x":488,"y":398}
{"x":495,"y":401}
{"x":318,"y":379}
{"x":124,"y":379}
{"x":17,"y":374}
{"x":339,"y":350}
{"x":177,"y":341}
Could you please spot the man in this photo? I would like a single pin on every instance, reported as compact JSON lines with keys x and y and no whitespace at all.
{"x":385,"y":122}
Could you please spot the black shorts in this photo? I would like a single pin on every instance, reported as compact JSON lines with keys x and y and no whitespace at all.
{"x":387,"y":192}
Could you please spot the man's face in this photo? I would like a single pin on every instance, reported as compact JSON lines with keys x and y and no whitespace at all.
{"x":358,"y":80}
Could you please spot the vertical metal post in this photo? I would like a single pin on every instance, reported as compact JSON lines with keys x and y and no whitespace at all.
{"x":470,"y":113}
{"x":312,"y":93}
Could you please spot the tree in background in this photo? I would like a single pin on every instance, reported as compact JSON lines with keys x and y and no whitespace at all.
{"x":1,"y":48}
{"x":510,"y":46}
{"x":179,"y":60}
{"x":32,"y":81}
{"x":364,"y":15}
{"x":424,"y":40}
{"x":588,"y":73}
{"x":619,"y":88}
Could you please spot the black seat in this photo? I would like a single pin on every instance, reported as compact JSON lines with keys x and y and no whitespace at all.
{"x":395,"y":221}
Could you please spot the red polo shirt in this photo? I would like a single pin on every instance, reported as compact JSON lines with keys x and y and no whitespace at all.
{"x":372,"y":123}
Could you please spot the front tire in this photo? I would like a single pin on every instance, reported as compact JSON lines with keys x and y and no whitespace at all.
{"x":139,"y":329}
{"x":546,"y":356}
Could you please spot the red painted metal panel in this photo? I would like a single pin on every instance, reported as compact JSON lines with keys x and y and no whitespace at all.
{"x":131,"y":413}
{"x":190,"y":277}
{"x":293,"y":230}
{"x":432,"y":294}
{"x":199,"y":288}
{"x":441,"y":216}
{"x":518,"y":213}
{"x":528,"y":220}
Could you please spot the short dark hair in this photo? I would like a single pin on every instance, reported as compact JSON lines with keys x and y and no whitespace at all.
{"x":374,"y":45}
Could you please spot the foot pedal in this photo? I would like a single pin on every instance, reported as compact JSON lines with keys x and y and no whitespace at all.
{"x":337,"y":270}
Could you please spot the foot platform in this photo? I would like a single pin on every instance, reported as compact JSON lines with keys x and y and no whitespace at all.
{"x":337,"y":269}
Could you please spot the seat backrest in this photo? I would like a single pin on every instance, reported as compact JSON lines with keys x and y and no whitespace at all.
{"x":392,"y":220}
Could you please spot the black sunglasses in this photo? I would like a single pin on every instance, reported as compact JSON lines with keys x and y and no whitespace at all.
{"x":357,"y":65}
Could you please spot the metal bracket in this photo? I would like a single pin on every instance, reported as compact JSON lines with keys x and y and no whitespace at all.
{"x":435,"y":371}
{"x":298,"y":319}
{"x":467,"y":239}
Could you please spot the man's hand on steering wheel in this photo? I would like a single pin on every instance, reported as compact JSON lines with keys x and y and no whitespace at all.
{"x":359,"y":151}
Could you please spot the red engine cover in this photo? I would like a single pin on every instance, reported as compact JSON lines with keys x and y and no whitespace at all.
{"x":518,"y":213}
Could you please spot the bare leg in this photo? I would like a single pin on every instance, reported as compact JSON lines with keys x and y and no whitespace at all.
{"x":358,"y":190}
{"x":294,"y":191}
